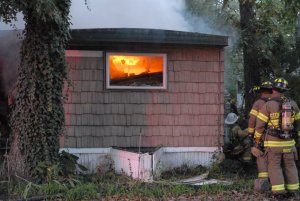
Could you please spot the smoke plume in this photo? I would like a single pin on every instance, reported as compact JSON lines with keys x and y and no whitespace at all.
{"x":152,"y":14}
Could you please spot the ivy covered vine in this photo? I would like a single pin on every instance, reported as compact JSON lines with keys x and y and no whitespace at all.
{"x":38,"y":116}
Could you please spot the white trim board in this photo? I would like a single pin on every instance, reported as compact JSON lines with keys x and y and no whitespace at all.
{"x":190,"y":149}
{"x":87,"y":150}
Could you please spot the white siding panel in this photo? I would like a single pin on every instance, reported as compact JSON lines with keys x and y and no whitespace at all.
{"x":171,"y":157}
{"x":144,"y":166}
{"x":138,"y":166}
{"x":157,"y":162}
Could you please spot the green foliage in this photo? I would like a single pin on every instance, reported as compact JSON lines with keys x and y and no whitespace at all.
{"x":272,"y":38}
{"x":214,"y":188}
{"x":82,"y":191}
{"x":232,"y":168}
{"x":54,"y":188}
{"x":38,"y":116}
{"x":215,"y":12}
{"x":9,"y":10}
{"x":22,"y":189}
{"x":111,"y":184}
{"x":178,"y":190}
{"x":26,"y":190}
{"x":64,"y":169}
{"x":183,"y":171}
{"x":122,"y":187}
{"x":69,"y":164}
{"x":275,"y":34}
{"x":294,"y":83}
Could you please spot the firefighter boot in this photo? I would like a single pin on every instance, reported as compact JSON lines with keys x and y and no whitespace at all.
{"x":262,"y":185}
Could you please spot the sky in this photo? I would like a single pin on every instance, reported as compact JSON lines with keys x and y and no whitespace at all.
{"x":158,"y":14}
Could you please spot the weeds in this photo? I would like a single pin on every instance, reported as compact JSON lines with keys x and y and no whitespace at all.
{"x":233,"y":169}
{"x":183,"y":171}
{"x":53,"y":188}
{"x":21,"y":189}
{"x":81,"y":192}
{"x":110,"y":184}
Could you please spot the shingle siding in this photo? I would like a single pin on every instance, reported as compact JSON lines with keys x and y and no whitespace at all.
{"x":188,"y":113}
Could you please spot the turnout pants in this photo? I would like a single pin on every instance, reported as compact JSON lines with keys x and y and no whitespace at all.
{"x":262,"y":167}
{"x":282,"y":169}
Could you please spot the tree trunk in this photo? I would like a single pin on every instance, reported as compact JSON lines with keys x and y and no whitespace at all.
{"x":15,"y":163}
{"x":38,"y":116}
{"x":250,"y":55}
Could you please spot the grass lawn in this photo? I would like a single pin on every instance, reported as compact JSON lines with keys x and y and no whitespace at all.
{"x":111,"y":186}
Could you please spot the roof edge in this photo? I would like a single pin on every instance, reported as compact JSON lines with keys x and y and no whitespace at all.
{"x":153,"y":36}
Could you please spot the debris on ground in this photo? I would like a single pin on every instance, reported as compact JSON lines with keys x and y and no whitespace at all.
{"x":202,"y":180}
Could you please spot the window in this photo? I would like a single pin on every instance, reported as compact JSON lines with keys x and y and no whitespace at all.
{"x":135,"y":71}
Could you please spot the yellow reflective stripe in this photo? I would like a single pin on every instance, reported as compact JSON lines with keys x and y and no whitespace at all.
{"x":257,"y":134}
{"x":272,"y":125}
{"x":250,"y":130}
{"x":279,"y":187}
{"x":289,"y":143}
{"x":262,"y":117}
{"x":254,"y":112}
{"x":247,"y":158}
{"x":298,"y":133}
{"x":263,"y":175}
{"x":274,"y":122}
{"x":297,"y":116}
{"x":292,"y":186}
{"x":287,"y":150}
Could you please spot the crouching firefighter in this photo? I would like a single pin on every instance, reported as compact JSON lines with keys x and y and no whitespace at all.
{"x":238,"y":148}
{"x":264,"y":92}
{"x":279,"y":120}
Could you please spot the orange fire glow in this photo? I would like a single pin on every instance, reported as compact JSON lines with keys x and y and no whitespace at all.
{"x":125,"y":65}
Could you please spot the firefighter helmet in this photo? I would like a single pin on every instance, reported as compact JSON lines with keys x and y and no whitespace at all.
{"x":231,"y":118}
{"x":254,"y":90}
{"x":281,"y":84}
{"x":266,"y":85}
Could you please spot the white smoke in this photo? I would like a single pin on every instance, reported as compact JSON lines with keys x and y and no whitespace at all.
{"x":152,"y":14}
{"x":156,"y":14}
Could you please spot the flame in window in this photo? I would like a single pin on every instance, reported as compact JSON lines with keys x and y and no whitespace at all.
{"x":122,"y":66}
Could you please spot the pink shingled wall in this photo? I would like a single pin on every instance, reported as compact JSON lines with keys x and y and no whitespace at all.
{"x":188,"y":114}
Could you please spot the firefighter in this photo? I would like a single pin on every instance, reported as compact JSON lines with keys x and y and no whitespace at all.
{"x":238,"y":147}
{"x":279,"y":120}
{"x":264,"y":92}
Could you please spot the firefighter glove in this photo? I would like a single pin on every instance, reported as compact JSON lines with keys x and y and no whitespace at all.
{"x":249,"y":140}
{"x":256,"y":152}
{"x":257,"y":140}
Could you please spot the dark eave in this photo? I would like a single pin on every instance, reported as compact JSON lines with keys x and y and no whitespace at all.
{"x":130,"y":36}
